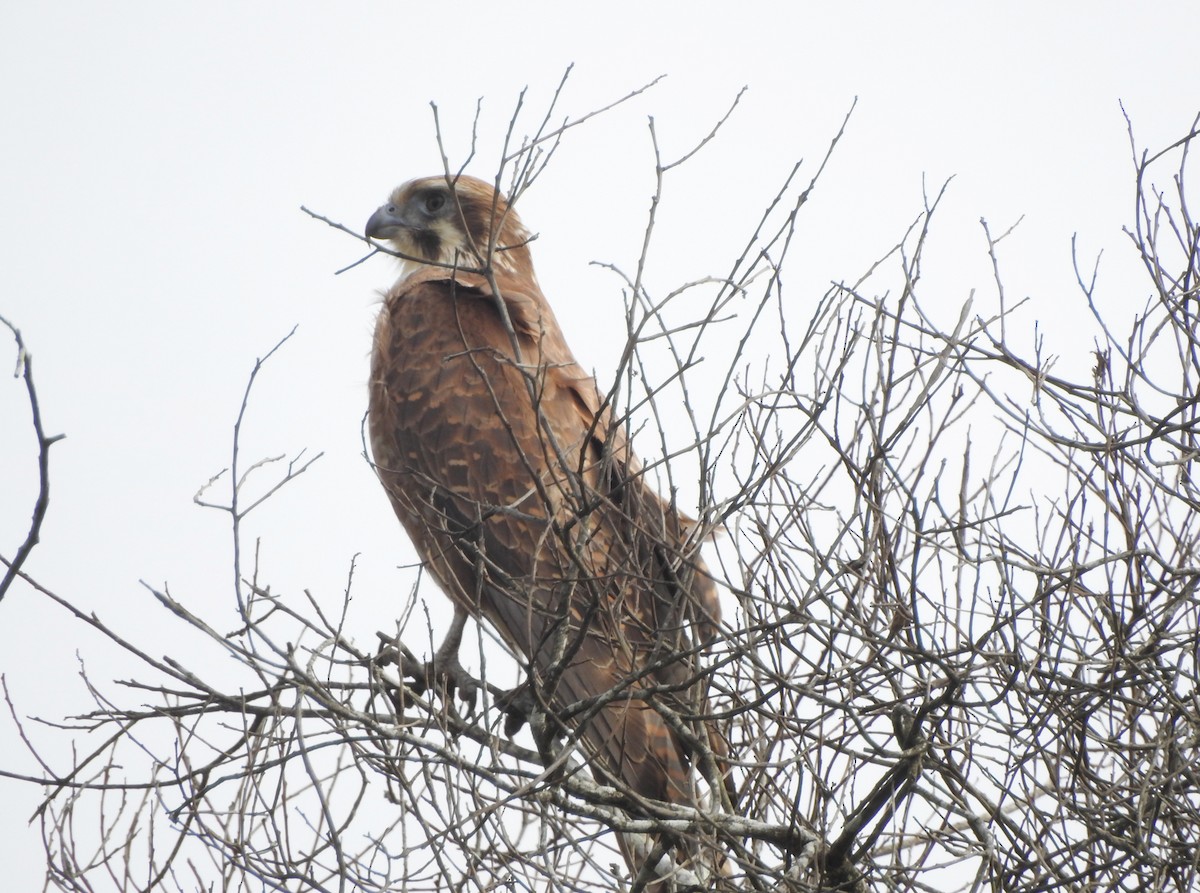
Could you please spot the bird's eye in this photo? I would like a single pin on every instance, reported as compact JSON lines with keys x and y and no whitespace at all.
{"x":434,"y":202}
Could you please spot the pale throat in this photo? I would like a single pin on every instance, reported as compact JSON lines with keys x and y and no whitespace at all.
{"x":453,"y":250}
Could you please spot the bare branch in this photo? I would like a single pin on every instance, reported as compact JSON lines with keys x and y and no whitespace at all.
{"x":24,"y":369}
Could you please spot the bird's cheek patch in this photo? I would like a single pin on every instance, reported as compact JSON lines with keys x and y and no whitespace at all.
{"x":428,"y":244}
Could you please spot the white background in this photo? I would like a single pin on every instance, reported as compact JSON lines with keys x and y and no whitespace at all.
{"x":153,"y":158}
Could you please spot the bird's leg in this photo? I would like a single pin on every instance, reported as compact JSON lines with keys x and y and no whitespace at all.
{"x":446,"y":666}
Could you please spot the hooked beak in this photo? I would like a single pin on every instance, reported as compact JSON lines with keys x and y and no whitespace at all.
{"x":386,"y":222}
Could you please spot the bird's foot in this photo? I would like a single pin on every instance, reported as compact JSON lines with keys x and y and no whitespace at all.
{"x":443,"y":672}
{"x":517,"y":703}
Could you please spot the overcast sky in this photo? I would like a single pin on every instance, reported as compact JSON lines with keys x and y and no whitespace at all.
{"x":155,"y":157}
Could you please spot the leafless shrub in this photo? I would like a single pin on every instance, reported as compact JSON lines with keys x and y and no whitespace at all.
{"x":935,"y":671}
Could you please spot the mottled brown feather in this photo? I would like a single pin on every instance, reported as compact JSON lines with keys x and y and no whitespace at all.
{"x":525,"y":502}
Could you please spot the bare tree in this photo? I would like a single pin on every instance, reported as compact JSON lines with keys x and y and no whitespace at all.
{"x":936,"y":671}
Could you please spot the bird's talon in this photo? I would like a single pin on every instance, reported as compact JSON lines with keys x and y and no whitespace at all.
{"x":445,"y":672}
{"x":517,"y":704}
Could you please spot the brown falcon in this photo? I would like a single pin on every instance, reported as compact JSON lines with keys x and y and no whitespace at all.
{"x":520,"y":492}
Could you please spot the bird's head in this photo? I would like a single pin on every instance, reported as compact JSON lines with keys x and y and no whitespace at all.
{"x":460,"y":222}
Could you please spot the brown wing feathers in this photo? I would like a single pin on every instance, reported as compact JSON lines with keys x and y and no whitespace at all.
{"x":481,"y":452}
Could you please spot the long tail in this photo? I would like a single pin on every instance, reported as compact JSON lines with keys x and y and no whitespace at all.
{"x":632,"y":745}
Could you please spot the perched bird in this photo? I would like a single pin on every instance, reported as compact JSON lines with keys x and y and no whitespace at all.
{"x":518,"y":487}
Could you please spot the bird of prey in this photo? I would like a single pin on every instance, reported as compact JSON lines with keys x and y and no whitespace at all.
{"x":518,"y":487}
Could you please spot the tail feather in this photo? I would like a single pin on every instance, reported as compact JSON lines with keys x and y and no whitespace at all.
{"x":629,"y":741}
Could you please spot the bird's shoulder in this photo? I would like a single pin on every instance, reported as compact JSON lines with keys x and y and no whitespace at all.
{"x":526,"y":307}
